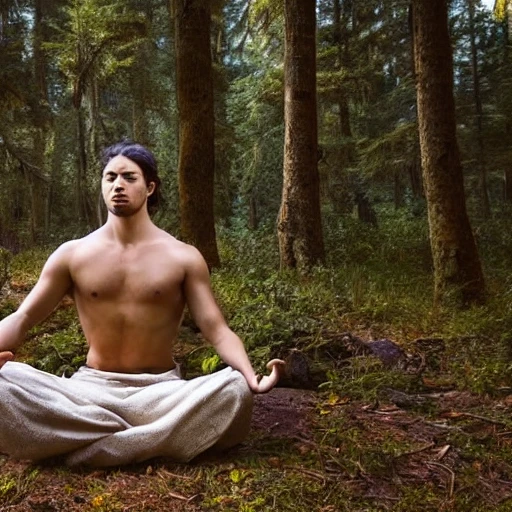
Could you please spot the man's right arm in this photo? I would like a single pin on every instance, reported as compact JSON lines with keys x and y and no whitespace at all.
{"x":54,"y":282}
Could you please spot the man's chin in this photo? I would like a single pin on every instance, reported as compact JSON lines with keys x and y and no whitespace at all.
{"x":121,"y":211}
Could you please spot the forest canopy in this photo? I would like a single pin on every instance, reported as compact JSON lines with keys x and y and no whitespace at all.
{"x":79,"y":75}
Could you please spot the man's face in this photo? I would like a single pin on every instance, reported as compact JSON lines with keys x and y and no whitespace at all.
{"x":124,"y":188}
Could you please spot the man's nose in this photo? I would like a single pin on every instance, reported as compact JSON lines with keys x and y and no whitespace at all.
{"x":118,"y":183}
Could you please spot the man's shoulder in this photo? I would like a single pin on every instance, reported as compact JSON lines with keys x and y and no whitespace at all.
{"x":66,"y":248}
{"x":180,"y":250}
{"x":77,"y":248}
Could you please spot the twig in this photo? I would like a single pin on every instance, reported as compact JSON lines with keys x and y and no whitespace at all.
{"x":443,"y":426}
{"x":58,"y":353}
{"x":181,"y":497}
{"x":505,"y":498}
{"x":309,"y":472}
{"x":386,"y":413}
{"x":443,"y":452}
{"x":377,"y":497}
{"x":483,"y":418}
{"x":419,"y":450}
{"x":422,"y":365}
{"x":163,"y":472}
{"x":452,"y":476}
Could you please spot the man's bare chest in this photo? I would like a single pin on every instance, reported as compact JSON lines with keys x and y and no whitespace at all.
{"x":141,"y":279}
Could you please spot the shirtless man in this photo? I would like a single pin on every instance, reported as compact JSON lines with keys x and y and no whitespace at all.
{"x":130,"y":282}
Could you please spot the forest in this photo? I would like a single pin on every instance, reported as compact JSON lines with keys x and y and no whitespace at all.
{"x":345,"y":168}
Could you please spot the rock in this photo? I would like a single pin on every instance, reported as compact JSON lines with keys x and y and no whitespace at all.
{"x":297,"y":373}
{"x":387,"y":351}
{"x":404,"y":400}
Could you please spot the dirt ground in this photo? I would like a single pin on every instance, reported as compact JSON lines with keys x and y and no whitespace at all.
{"x":429,"y":459}
{"x":282,"y":414}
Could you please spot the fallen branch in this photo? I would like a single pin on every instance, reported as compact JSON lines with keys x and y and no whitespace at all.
{"x":181,"y":497}
{"x":309,"y":472}
{"x":34,"y":170}
{"x":483,"y":418}
{"x":164,"y":473}
{"x":451,"y":473}
{"x":443,"y":451}
{"x":419,"y":450}
{"x":443,"y":426}
{"x":391,"y":412}
{"x":382,"y":497}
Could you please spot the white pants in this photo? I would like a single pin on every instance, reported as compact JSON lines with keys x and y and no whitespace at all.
{"x":105,"y":418}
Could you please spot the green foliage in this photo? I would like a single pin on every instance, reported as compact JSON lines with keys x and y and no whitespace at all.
{"x":362,"y":378}
{"x":210,"y":364}
{"x":378,"y":284}
{"x":13,"y":487}
{"x":27,"y":265}
{"x":255,"y":112}
{"x":95,"y":42}
{"x":60,"y":352}
{"x":5,"y":258}
{"x":268,"y":308}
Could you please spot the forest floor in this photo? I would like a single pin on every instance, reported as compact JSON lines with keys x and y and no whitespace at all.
{"x":369,"y":439}
{"x":307,"y":451}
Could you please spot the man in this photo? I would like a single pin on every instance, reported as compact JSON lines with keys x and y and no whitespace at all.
{"x":130,"y":282}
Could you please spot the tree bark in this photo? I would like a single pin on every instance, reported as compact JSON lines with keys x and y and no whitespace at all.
{"x":508,"y":127}
{"x":141,"y":92}
{"x":457,"y":270}
{"x":299,"y":224}
{"x":481,"y":160}
{"x":42,"y":124}
{"x":196,"y":163}
{"x":81,"y":179}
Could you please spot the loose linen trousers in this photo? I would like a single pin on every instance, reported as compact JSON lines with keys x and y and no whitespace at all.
{"x":105,"y":418}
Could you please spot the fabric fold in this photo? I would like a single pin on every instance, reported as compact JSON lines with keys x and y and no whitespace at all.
{"x":106,"y":418}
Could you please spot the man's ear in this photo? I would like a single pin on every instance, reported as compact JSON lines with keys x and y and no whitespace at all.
{"x":151,"y":188}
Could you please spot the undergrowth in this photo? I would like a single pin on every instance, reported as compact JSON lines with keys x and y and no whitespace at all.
{"x":377,"y":284}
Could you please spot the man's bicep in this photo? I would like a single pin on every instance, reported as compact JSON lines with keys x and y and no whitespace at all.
{"x":200,"y":299}
{"x":53,"y":283}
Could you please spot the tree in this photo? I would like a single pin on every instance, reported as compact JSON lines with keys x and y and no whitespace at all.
{"x":254,"y":104}
{"x":299,"y":224}
{"x":484,"y":193}
{"x":196,"y":162}
{"x":96,"y":41}
{"x":457,"y":269}
{"x":24,"y":120}
{"x":503,"y":12}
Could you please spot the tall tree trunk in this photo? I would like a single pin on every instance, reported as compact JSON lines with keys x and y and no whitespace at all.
{"x":140,"y":91}
{"x":196,"y":116}
{"x":415,"y":177}
{"x":508,"y":127}
{"x":457,"y":269}
{"x":224,"y":134}
{"x":299,"y":224}
{"x":81,"y":181}
{"x":341,"y":39}
{"x":337,"y":189}
{"x":398,"y":189}
{"x":481,"y":161}
{"x":39,"y":188}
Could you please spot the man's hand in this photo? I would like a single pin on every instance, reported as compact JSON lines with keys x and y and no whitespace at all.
{"x":266,"y":383}
{"x":5,"y":356}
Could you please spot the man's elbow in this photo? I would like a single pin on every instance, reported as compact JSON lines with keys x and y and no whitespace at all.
{"x":216,"y":332}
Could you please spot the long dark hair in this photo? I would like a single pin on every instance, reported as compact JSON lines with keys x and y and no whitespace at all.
{"x":144,"y":159}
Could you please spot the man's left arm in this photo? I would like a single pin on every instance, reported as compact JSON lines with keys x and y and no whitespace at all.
{"x":210,"y":320}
